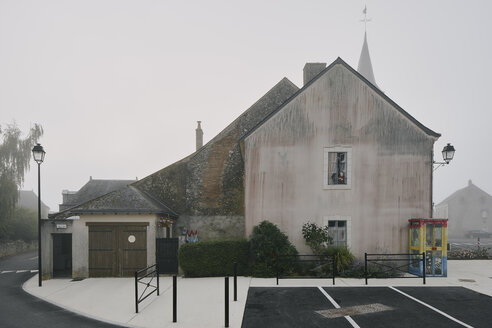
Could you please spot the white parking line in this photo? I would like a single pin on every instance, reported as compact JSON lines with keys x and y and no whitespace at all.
{"x":335,"y":304}
{"x":17,"y":271}
{"x":431,"y":307}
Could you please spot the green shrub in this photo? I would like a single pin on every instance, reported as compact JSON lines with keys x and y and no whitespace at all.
{"x":266,"y":242}
{"x":342,"y":255}
{"x":214,"y":258}
{"x":316,"y":237}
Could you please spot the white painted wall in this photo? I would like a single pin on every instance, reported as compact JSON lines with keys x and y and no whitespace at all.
{"x":390,"y":172}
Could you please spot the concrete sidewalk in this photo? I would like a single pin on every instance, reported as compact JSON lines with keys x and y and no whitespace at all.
{"x":201,"y":300}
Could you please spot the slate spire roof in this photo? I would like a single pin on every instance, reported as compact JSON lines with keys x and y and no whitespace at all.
{"x":365,"y":65}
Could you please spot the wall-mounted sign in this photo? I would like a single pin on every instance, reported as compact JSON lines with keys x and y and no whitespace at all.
{"x":61,"y":226}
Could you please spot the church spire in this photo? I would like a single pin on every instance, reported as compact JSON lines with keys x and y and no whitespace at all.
{"x":365,"y":65}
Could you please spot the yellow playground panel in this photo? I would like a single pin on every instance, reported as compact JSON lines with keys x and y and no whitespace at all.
{"x":429,"y":236}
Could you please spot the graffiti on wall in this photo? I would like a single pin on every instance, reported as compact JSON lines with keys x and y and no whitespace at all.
{"x":191,"y":236}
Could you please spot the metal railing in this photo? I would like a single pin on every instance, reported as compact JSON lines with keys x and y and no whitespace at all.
{"x":305,"y":267}
{"x":151,"y":272}
{"x":394,"y":266}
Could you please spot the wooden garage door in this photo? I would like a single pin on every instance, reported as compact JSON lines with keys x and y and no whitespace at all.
{"x":117,"y":250}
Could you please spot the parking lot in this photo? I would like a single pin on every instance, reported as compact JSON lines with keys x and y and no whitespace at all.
{"x":366,"y":307}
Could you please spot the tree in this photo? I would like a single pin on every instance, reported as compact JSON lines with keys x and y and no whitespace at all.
{"x":15,"y":156}
{"x":24,"y":225}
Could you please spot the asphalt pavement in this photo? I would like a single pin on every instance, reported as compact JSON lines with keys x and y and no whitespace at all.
{"x":20,"y":309}
{"x":389,"y":306}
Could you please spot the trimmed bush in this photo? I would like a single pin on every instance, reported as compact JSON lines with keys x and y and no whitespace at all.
{"x":266,"y":242}
{"x":214,"y":258}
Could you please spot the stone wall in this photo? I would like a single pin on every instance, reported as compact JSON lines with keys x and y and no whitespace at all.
{"x":16,"y":247}
{"x":211,"y":227}
{"x":209,"y":184}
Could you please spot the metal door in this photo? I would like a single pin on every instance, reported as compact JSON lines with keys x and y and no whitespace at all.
{"x":167,"y":255}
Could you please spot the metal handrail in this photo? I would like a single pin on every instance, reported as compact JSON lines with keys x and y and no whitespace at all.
{"x":148,"y":284}
{"x":322,"y":259}
{"x":408,"y":259}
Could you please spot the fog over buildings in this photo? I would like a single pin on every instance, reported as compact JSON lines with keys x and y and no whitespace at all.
{"x":119,"y":85}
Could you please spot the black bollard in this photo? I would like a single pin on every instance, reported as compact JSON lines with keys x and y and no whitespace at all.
{"x":157,"y":274}
{"x":365,"y":266}
{"x":136,"y":291}
{"x":175,"y":303}
{"x":226,"y":324}
{"x":235,"y":281}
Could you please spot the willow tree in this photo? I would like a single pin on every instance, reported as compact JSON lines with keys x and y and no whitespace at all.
{"x":15,"y":156}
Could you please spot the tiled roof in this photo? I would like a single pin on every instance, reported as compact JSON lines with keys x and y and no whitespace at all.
{"x":128,"y":199}
{"x":93,"y":189}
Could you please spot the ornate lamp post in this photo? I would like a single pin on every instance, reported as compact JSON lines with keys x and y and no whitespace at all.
{"x":38,"y":154}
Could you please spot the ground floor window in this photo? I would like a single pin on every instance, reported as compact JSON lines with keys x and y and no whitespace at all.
{"x":338,"y":231}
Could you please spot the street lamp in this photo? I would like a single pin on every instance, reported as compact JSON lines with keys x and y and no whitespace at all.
{"x":38,"y":154}
{"x":447,"y":156}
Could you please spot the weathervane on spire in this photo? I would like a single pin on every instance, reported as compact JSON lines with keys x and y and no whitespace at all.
{"x":365,"y":20}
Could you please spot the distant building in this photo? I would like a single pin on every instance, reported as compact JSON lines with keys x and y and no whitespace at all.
{"x":28,"y":199}
{"x":467,"y":209}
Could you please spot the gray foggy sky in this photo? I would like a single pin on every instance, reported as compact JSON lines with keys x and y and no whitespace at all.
{"x":119,"y":85}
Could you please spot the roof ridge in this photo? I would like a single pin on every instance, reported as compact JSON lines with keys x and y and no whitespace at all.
{"x":337,"y":61}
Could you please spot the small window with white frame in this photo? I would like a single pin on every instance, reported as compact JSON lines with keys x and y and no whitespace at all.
{"x":339,"y":229}
{"x":337,"y":167}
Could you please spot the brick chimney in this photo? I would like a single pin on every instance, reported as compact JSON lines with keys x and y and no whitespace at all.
{"x":199,"y":136}
{"x":311,"y":70}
